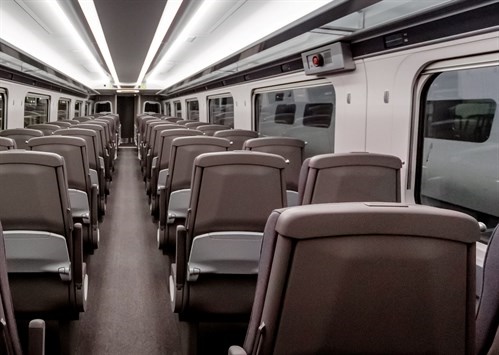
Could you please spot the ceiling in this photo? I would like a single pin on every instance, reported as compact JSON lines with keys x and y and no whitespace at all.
{"x":62,"y":48}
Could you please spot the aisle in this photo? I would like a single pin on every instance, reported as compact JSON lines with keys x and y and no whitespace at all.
{"x":128,"y":309}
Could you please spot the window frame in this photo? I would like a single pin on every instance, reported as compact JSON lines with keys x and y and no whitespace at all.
{"x":97,"y":103}
{"x":37,"y":96}
{"x":151,"y":103}
{"x":220,"y":97}
{"x":313,"y":147}
{"x":188,"y":107}
{"x":415,"y":167}
{"x":3,"y":108}
{"x":68,"y":105}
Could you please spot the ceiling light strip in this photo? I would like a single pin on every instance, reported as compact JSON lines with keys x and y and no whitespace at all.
{"x":90,"y":12}
{"x":169,"y":13}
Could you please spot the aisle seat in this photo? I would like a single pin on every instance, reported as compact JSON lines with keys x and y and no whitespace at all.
{"x":400,"y":282}
{"x":44,"y":247}
{"x":350,"y":177}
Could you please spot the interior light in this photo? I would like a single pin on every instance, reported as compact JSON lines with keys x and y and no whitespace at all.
{"x":166,"y":20}
{"x":90,"y":12}
{"x":15,"y":32}
{"x":127,"y":91}
{"x":260,"y":23}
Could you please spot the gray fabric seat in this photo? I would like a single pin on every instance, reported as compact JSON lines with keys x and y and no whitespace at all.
{"x":210,"y":129}
{"x":213,"y":278}
{"x":47,"y":128}
{"x":7,"y":143}
{"x":350,"y":177}
{"x":83,"y":194}
{"x":21,"y":135}
{"x":177,"y":180}
{"x":400,"y":282}
{"x":162,"y":148}
{"x":217,"y":251}
{"x":153,"y":144}
{"x":195,"y":124}
{"x":62,"y":124}
{"x":290,"y":149}
{"x":487,"y":317}
{"x":10,"y":343}
{"x":95,"y":162}
{"x":102,"y":150}
{"x":44,"y":246}
{"x":237,"y":137}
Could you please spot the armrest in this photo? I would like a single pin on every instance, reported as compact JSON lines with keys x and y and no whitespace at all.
{"x":79,"y":205}
{"x":94,"y":177}
{"x":162,"y":178}
{"x":101,"y":163}
{"x":181,"y":257}
{"x":237,"y":350}
{"x":36,"y":341}
{"x":94,"y":193}
{"x":163,"y":208}
{"x":77,"y":254}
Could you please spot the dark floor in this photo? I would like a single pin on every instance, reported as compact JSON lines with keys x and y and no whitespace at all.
{"x":128,"y":308}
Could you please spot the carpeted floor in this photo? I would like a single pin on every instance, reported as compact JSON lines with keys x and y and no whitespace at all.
{"x":128,"y":307}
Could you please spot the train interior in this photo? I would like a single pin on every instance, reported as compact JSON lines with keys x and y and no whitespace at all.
{"x":249,"y":177}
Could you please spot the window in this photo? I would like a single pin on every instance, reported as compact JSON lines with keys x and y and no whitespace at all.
{"x":178,"y":109}
{"x":222,"y":110}
{"x":36,"y":109}
{"x":88,"y":108}
{"x":63,"y":109}
{"x":78,"y":108}
{"x":3,"y":106}
{"x":103,"y":106}
{"x":192,"y":110}
{"x":168,"y":108}
{"x":306,"y":113}
{"x":150,"y":106}
{"x":458,"y":152}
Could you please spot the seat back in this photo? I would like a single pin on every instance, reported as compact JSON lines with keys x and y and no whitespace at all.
{"x":74,"y":152}
{"x":183,"y":152}
{"x":7,"y":143}
{"x":195,"y":124}
{"x":33,"y":191}
{"x":90,"y":137}
{"x":46,"y":128}
{"x":217,"y":253}
{"x":235,"y":191}
{"x":210,"y":129}
{"x":350,"y":177}
{"x":9,"y":339}
{"x":154,"y":138}
{"x":100,"y":137}
{"x":62,"y":124}
{"x":166,"y":138}
{"x":487,"y":317}
{"x":21,"y":135}
{"x":236,"y":136}
{"x":331,"y":285}
{"x":82,"y":119}
{"x":290,"y":149}
{"x":184,"y":122}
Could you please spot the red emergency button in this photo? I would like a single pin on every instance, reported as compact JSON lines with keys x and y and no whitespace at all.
{"x":317,"y":60}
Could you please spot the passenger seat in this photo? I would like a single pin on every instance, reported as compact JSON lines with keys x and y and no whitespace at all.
{"x":365,"y":278}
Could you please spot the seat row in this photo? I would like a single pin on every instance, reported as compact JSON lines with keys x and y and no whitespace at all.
{"x":312,"y":268}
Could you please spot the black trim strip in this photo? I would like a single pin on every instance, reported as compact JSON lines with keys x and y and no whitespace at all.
{"x":445,"y":22}
{"x":463,"y":22}
{"x":33,"y":80}
{"x":23,"y":78}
